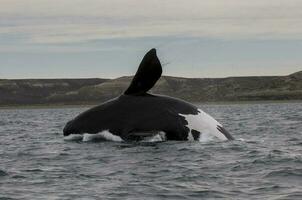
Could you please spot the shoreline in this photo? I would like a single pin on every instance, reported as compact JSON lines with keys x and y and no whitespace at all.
{"x":79,"y":105}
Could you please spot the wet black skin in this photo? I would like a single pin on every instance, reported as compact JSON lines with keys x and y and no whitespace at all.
{"x":137,"y":114}
{"x":132,"y":116}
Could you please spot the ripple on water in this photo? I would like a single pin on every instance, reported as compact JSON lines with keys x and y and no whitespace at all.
{"x":288,"y":172}
{"x":3,"y":173}
{"x":264,"y":164}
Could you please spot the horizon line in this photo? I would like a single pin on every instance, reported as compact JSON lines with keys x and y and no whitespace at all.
{"x":172,"y":76}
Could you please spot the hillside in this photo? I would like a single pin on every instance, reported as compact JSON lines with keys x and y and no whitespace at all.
{"x":40,"y":91}
{"x":77,"y":91}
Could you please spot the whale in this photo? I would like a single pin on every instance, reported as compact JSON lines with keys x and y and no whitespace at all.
{"x":138,"y":115}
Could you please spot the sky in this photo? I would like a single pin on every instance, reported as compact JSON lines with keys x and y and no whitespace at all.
{"x":107,"y":39}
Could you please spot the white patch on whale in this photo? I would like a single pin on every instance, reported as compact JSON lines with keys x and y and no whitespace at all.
{"x":205,"y":124}
{"x":105,"y":135}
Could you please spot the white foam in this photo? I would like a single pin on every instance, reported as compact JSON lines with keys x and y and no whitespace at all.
{"x":106,"y":135}
{"x":160,"y":137}
{"x":205,"y":124}
{"x":190,"y":136}
{"x":73,"y":137}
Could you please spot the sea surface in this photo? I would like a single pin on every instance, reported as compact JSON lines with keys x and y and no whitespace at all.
{"x":264,"y":162}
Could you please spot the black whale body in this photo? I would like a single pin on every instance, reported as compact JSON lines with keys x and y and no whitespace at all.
{"x":127,"y":115}
{"x":136,"y":114}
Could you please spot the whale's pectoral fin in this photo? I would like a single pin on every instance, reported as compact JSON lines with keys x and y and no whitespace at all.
{"x":149,"y":71}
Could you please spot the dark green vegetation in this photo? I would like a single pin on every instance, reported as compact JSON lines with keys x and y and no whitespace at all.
{"x":91,"y":91}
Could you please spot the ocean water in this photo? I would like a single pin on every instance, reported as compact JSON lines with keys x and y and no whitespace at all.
{"x":264,"y":162}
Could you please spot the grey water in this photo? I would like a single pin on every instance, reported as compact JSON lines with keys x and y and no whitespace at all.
{"x":264,"y":162}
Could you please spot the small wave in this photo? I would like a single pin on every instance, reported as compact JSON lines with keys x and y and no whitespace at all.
{"x":275,"y":151}
{"x":33,"y":170}
{"x":6,"y":198}
{"x":295,"y":195}
{"x":208,"y":194}
{"x":285,"y":173}
{"x":276,"y":156}
{"x":18,"y":177}
{"x":3,"y":173}
{"x":268,"y":188}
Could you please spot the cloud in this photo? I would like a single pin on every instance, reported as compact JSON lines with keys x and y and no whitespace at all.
{"x":39,"y":22}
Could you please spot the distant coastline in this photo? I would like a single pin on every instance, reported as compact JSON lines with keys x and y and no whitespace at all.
{"x":88,"y":105}
{"x":86,"y":92}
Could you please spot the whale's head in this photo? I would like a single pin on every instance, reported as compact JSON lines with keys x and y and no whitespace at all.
{"x":70,"y":129}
